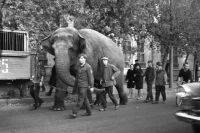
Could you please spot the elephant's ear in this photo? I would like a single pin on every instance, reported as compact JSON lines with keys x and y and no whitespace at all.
{"x":46,"y":44}
{"x":82,"y":44}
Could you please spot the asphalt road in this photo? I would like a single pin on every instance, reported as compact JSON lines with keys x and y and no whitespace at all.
{"x":136,"y":117}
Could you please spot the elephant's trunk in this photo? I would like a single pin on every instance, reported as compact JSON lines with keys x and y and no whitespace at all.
{"x":63,"y":68}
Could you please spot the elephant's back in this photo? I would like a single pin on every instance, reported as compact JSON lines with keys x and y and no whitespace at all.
{"x":95,"y":36}
{"x":104,"y":45}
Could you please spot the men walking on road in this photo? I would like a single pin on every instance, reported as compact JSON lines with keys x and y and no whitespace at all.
{"x":160,"y":82}
{"x":149,"y":78}
{"x":108,"y":75}
{"x":84,"y":81}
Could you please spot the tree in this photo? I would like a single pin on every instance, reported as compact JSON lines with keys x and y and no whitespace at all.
{"x":37,"y":17}
{"x":2,"y":4}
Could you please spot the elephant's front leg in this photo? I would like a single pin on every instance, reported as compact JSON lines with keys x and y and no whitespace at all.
{"x":60,"y":94}
{"x":59,"y":100}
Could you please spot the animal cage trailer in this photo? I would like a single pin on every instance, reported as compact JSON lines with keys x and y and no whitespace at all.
{"x":16,"y":59}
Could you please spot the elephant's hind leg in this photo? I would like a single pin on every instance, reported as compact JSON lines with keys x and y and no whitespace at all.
{"x":122,"y":95}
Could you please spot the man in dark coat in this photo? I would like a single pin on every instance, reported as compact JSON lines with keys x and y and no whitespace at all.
{"x":138,"y":78}
{"x":160,"y":82}
{"x":149,"y":78}
{"x":84,"y":81}
{"x":185,"y":75}
{"x":34,"y":88}
{"x":108,"y":75}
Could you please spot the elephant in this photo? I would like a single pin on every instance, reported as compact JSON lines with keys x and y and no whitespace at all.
{"x":67,"y":43}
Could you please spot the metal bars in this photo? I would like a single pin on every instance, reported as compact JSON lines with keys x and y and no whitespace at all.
{"x":15,"y":41}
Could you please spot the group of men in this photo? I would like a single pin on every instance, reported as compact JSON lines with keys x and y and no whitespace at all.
{"x":85,"y":80}
{"x":160,"y":77}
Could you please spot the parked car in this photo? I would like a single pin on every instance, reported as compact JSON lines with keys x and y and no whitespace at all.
{"x":189,"y":103}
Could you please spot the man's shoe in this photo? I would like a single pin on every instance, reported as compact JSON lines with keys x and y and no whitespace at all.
{"x":40,"y":103}
{"x":48,"y":94}
{"x":163,"y":102}
{"x":87,"y":114}
{"x":73,"y":116}
{"x":146,"y":101}
{"x":34,"y":107}
{"x":155,"y":102}
{"x":116,"y":107}
{"x":102,"y":109}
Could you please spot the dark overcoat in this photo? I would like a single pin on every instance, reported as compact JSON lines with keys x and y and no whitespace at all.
{"x":138,"y":79}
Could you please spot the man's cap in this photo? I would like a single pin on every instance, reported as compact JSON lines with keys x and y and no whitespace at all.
{"x":186,"y":64}
{"x":159,"y":64}
{"x":82,"y":54}
{"x":136,"y":60}
{"x":104,"y":58}
{"x":150,"y":61}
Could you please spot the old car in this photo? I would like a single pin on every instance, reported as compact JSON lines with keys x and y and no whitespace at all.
{"x":189,"y":104}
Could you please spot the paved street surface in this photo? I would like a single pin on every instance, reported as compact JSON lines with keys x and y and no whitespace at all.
{"x":136,"y":117}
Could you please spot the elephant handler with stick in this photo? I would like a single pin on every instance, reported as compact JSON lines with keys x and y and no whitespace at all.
{"x":84,"y":81}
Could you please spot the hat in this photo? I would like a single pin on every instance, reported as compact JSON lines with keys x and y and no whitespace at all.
{"x":104,"y":58}
{"x":159,"y":64}
{"x":82,"y":54}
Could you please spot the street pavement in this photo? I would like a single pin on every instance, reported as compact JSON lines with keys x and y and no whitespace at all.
{"x":135,"y":117}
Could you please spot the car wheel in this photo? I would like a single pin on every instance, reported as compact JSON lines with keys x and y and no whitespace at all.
{"x":196,"y":128}
{"x":178,"y":101}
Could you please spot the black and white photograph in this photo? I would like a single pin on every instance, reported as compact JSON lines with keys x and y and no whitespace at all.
{"x":99,"y":66}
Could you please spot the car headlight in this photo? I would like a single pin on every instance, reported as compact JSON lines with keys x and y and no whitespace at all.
{"x":183,"y":91}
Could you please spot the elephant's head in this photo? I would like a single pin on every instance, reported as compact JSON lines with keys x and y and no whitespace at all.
{"x":65,"y":44}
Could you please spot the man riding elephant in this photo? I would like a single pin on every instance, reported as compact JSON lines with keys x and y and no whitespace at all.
{"x":67,"y":43}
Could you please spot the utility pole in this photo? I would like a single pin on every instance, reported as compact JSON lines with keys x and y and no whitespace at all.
{"x":171,"y":47}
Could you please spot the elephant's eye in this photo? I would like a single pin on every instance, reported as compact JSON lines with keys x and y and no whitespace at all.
{"x":71,"y":51}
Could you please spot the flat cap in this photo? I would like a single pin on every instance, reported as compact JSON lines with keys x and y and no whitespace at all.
{"x":104,"y":58}
{"x":83,"y":55}
{"x":159,"y":64}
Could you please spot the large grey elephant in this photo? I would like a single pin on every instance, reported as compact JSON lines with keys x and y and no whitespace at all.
{"x":67,"y":43}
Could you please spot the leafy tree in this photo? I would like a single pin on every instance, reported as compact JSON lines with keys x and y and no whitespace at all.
{"x":37,"y":17}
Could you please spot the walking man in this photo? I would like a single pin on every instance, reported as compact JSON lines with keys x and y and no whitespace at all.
{"x":149,"y":78}
{"x":161,"y":80}
{"x":34,"y":88}
{"x":108,"y":75}
{"x":84,"y":81}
